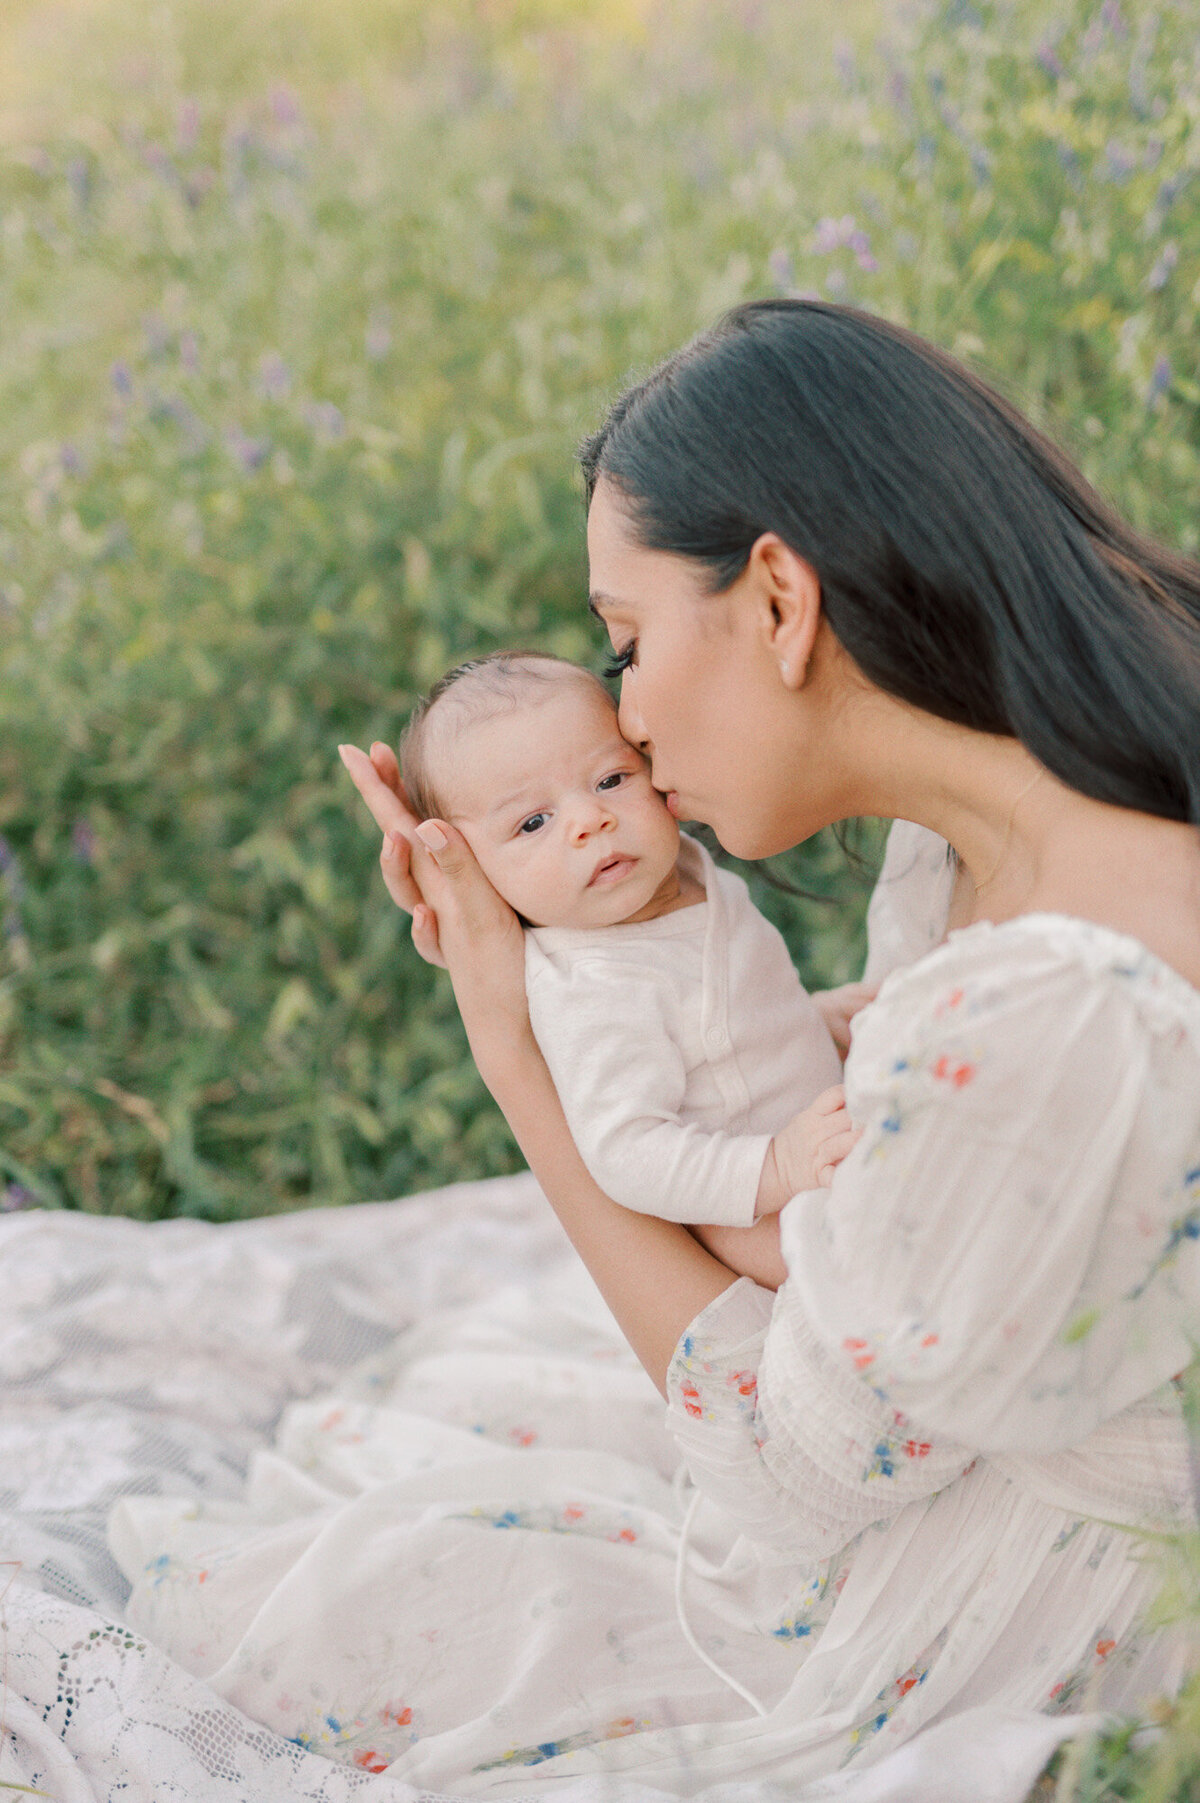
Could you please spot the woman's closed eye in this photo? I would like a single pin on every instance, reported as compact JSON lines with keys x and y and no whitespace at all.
{"x":622,"y":661}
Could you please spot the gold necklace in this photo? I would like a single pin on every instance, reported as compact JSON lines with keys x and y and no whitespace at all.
{"x":1009,"y":827}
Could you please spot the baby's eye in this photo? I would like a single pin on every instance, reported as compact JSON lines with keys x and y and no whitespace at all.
{"x":533,"y":824}
{"x":613,"y":781}
{"x":616,"y":666}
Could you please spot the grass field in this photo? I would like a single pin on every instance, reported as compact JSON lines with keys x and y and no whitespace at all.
{"x":304,"y":310}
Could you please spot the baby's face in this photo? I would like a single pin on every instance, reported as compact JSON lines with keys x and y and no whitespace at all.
{"x":559,"y":810}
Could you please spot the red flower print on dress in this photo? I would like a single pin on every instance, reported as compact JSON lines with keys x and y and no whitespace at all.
{"x":371,"y":1761}
{"x":951,"y":1070}
{"x":860,"y":1352}
{"x":691,"y":1399}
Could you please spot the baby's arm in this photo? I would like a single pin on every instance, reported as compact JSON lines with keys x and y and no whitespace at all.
{"x":603,"y":1031}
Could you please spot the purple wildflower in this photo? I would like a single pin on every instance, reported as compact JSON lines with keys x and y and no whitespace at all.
{"x":69,"y":459}
{"x":122,"y":380}
{"x":1113,"y":17}
{"x":187,"y":126}
{"x":285,"y":106}
{"x":844,"y":234}
{"x":251,"y":453}
{"x":1160,"y":275}
{"x":83,"y":841}
{"x":1160,"y":380}
{"x":832,"y":234}
{"x":782,"y":270}
{"x":189,"y":351}
{"x":378,"y":339}
{"x":274,"y":377}
{"x":844,"y":63}
{"x":1120,"y":162}
{"x":10,"y":870}
{"x":860,"y":244}
{"x":1049,"y":59}
{"x":325,"y":419}
{"x":79,"y":180}
{"x":14,"y":1196}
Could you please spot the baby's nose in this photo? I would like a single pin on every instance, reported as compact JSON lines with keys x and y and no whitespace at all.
{"x":591,"y":815}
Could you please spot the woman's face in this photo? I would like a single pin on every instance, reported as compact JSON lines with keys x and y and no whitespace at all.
{"x":703,"y":693}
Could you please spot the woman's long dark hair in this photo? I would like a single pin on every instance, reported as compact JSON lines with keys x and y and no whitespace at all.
{"x":965,"y":564}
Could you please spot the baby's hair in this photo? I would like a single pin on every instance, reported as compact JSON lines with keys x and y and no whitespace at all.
{"x":479,"y":689}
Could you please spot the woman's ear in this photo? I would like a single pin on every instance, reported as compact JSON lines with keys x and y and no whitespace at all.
{"x":787,"y":591}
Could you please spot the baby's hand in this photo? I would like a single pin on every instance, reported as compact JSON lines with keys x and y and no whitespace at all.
{"x":837,"y":1008}
{"x":805,"y":1154}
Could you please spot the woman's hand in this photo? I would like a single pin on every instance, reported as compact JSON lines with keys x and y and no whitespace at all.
{"x":654,"y":1276}
{"x":459,"y":921}
{"x":837,"y":1008}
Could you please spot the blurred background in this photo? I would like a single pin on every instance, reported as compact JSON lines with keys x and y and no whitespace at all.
{"x":303,"y":309}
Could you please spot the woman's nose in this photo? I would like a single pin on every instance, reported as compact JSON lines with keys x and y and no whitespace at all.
{"x":630,"y":721}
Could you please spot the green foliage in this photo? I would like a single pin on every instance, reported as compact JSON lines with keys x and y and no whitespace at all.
{"x":291,"y":378}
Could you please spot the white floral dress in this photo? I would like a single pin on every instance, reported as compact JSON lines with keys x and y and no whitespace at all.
{"x":922,"y":1465}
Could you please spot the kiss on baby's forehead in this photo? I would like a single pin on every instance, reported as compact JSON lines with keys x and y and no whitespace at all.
{"x":481,"y":690}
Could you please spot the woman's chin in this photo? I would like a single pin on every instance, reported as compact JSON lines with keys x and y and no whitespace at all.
{"x":750,"y":841}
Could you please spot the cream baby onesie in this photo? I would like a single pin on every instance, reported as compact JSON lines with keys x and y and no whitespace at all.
{"x":678,"y":1047}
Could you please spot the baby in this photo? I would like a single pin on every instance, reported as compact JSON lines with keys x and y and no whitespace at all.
{"x":694,"y":1070}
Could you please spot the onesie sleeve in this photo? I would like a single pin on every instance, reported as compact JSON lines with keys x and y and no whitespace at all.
{"x":621,"y":1079}
{"x":954,"y":1292}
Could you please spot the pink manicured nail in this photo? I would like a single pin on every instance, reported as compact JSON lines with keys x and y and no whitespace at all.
{"x":431,"y":836}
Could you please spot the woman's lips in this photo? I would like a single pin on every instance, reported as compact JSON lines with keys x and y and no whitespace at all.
{"x":612,"y":870}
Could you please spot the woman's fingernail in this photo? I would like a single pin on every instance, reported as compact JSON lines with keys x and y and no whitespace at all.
{"x":431,"y":836}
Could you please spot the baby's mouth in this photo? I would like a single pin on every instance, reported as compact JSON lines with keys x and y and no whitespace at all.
{"x":612,"y":869}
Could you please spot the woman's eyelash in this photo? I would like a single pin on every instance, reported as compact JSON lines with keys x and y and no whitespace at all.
{"x":616,"y":666}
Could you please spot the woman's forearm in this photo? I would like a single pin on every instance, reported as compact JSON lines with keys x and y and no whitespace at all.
{"x":653,"y":1274}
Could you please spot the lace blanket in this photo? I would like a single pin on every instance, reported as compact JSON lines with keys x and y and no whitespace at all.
{"x":156,"y":1360}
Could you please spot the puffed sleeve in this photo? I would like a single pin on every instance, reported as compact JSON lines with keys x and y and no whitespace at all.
{"x":990,"y":1257}
{"x":997,"y":1268}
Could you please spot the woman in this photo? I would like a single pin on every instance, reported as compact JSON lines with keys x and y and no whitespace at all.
{"x":843,"y":577}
